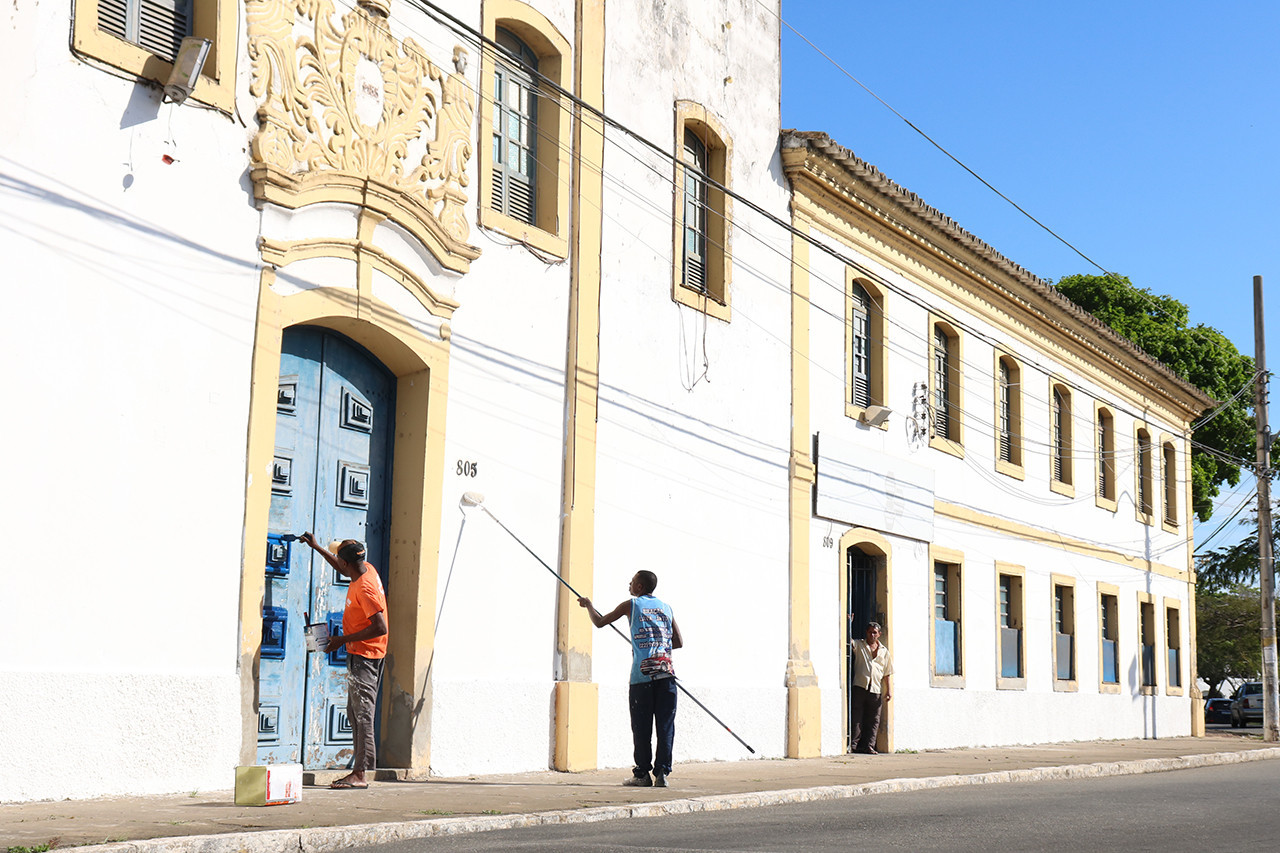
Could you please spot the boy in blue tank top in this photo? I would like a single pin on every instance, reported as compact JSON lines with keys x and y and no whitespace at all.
{"x":654,"y":634}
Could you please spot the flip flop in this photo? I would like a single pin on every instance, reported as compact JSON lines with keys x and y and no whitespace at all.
{"x":343,"y":784}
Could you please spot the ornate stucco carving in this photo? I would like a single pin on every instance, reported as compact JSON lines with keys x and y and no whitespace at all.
{"x":347,"y":112}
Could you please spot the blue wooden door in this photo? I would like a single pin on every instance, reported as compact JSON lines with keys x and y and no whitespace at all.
{"x":334,"y":424}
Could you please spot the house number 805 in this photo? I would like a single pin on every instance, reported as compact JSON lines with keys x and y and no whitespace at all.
{"x":467,"y":469}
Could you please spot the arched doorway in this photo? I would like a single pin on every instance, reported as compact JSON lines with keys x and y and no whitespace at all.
{"x":335,"y":418}
{"x":866,"y":593}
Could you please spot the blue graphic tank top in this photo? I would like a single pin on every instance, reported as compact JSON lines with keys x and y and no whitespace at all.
{"x":651,"y":622}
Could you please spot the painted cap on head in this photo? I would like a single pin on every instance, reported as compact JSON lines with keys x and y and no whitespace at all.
{"x":351,"y":551}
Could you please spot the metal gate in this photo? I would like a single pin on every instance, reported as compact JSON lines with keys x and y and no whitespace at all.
{"x":335,"y":414}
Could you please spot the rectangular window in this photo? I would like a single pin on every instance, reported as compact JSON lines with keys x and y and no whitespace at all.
{"x":946,"y":403}
{"x":1064,"y":632}
{"x":1061,"y":475}
{"x":1147,"y":631}
{"x":947,"y":639}
{"x":1173,"y":642}
{"x":1010,"y":617}
{"x":861,"y":363}
{"x":1108,"y":616}
{"x":157,"y":26}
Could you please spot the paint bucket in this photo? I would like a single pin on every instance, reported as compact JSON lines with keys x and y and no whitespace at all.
{"x":317,"y":636}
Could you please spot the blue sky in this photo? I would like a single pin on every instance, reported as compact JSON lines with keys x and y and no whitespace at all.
{"x":1146,"y":134}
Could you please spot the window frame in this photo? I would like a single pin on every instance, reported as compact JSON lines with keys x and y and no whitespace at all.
{"x":1108,"y":594}
{"x":1008,"y":416}
{"x":508,"y":74}
{"x":954,"y":563}
{"x":1148,"y":630}
{"x":211,"y":19}
{"x":1172,"y":643}
{"x":1017,"y":609}
{"x":1169,"y":481}
{"x":714,"y":299}
{"x":1143,"y":475}
{"x":877,"y":347}
{"x":549,"y":233}
{"x":952,"y":440}
{"x":1068,"y":585}
{"x":1061,"y":458}
{"x":1104,"y":469}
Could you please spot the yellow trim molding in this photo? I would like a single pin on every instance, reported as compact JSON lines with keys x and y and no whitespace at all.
{"x":1057,"y":540}
{"x":577,"y":718}
{"x":420,"y":365}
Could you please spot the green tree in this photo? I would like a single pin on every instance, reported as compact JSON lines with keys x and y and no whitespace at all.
{"x":1200,"y":354}
{"x":1224,"y":568}
{"x":1227,"y":644}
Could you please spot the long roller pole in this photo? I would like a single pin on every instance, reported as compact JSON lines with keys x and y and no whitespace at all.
{"x":475,"y":499}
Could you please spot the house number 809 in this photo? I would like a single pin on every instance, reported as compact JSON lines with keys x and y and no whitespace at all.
{"x":467,"y":469}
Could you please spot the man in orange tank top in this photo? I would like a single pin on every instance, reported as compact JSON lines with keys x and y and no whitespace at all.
{"x":364,"y":633}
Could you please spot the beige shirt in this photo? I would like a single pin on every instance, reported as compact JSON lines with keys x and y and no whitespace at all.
{"x":869,"y":671}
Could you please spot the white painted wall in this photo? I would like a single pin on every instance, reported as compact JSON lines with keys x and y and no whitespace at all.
{"x":130,"y":287}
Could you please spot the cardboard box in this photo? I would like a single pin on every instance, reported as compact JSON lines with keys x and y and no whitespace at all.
{"x":268,"y":784}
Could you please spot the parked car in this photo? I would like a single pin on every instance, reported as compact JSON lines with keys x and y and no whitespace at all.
{"x":1246,"y":704}
{"x":1217,"y":710}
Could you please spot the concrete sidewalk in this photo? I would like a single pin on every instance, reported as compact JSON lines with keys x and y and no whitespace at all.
{"x":209,"y":822}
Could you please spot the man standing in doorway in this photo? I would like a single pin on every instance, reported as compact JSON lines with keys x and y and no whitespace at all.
{"x":364,"y":633}
{"x":872,"y":667}
{"x":654,"y":634}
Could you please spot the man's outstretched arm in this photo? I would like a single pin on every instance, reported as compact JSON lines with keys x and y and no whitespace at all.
{"x":612,"y":616}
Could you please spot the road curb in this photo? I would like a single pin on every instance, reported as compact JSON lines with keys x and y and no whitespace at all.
{"x":332,"y":838}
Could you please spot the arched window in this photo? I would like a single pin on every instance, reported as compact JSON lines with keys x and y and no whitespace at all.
{"x":860,"y":306}
{"x":1008,"y":415}
{"x":1145,"y":494}
{"x":1061,"y":438}
{"x":1169,"y":475}
{"x":1106,"y":450}
{"x":944,"y":385}
{"x":702,"y":257}
{"x":515,"y":130}
{"x":695,"y":213}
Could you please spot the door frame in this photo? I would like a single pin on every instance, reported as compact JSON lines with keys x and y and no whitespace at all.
{"x":420,"y":363}
{"x":877,"y":546}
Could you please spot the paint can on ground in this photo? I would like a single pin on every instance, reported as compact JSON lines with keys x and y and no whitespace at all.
{"x":268,"y":784}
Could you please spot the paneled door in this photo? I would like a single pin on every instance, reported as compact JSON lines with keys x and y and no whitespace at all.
{"x":335,"y":414}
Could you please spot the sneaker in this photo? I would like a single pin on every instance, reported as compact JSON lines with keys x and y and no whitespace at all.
{"x":640,"y":782}
{"x":659,"y":780}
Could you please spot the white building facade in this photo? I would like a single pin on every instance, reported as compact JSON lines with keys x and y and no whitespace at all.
{"x":389,"y":253}
{"x":996,"y":477}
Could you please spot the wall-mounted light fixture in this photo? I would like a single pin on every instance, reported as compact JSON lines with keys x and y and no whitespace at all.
{"x":875,"y":415}
{"x":186,"y":69}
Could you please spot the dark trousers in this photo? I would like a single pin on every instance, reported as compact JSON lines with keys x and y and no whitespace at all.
{"x":864,"y":719}
{"x":653,"y":704}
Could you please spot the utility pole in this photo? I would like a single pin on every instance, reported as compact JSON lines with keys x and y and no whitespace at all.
{"x":1266,"y":561}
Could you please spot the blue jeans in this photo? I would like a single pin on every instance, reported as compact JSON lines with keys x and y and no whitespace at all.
{"x":653,"y":703}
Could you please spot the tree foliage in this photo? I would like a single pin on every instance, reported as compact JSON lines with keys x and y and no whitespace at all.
{"x":1200,"y":354}
{"x":1227,"y":635}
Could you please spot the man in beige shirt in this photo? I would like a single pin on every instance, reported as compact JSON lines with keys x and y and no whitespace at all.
{"x":872,"y":667}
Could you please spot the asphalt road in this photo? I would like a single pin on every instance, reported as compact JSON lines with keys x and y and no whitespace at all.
{"x":1234,"y":807}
